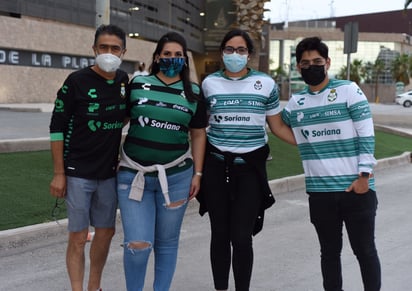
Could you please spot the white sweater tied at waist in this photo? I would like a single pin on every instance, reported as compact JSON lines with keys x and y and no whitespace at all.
{"x":137,"y":187}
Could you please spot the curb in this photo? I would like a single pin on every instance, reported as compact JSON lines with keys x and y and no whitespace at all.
{"x":389,"y":129}
{"x":30,"y":235}
{"x":28,"y":107}
{"x":293,"y":183}
{"x":24,"y":145}
{"x":21,"y":109}
{"x":27,"y":145}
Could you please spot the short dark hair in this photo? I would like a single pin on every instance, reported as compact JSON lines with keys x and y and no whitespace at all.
{"x":185,"y":73}
{"x":112,"y":30}
{"x":311,"y":44}
{"x":238,"y":32}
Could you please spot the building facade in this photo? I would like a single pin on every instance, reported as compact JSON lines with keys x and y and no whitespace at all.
{"x":43,"y":41}
{"x":382,"y":36}
{"x":143,"y":19}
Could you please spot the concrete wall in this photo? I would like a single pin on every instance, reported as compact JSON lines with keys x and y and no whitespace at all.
{"x":384,"y":94}
{"x":21,"y":84}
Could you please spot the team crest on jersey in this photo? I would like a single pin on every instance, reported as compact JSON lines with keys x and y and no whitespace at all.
{"x":258,"y":85}
{"x":299,"y":116}
{"x":122,"y":90}
{"x":213,"y":102}
{"x":332,"y":95}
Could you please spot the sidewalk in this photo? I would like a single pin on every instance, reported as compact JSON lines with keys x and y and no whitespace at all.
{"x":286,"y":252}
{"x":21,"y":237}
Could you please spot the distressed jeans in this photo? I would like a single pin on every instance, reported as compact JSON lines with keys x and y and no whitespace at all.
{"x":152,"y":222}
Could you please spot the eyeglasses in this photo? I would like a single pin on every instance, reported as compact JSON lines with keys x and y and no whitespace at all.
{"x":240,"y":50}
{"x":305,"y":64}
{"x":56,"y":209}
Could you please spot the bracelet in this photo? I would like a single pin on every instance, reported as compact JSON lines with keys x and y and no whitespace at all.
{"x":198,"y":174}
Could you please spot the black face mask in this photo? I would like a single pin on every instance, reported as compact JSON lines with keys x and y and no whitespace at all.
{"x":314,"y":75}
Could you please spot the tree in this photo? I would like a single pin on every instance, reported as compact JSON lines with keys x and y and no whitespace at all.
{"x":250,"y":18}
{"x":401,"y":68}
{"x":410,"y":65}
{"x":357,"y":72}
{"x":377,"y":69}
{"x":279,"y":74}
{"x":368,"y":71}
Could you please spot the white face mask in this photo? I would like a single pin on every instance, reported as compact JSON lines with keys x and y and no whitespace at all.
{"x":108,"y":62}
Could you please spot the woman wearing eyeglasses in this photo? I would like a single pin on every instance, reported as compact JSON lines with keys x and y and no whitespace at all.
{"x":235,"y":190}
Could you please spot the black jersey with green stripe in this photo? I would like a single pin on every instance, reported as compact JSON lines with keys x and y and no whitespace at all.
{"x":88,"y":115}
{"x":160,"y":120}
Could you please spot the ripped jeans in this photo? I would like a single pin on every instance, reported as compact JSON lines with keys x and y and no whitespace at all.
{"x":152,"y":225}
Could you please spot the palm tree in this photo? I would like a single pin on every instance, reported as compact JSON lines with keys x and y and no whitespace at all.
{"x":368,"y":72}
{"x":377,"y":69}
{"x":357,"y":72}
{"x":371,"y":73}
{"x":400,"y":69}
{"x":279,"y":74}
{"x":250,"y":18}
{"x":410,"y":66}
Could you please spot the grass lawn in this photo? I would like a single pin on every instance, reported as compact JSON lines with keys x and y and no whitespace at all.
{"x":25,"y":178}
{"x":286,"y":160}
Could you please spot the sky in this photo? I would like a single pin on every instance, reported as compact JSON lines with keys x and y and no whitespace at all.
{"x":292,"y":10}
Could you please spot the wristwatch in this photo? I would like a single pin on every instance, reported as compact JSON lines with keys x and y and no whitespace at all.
{"x":365,"y":174}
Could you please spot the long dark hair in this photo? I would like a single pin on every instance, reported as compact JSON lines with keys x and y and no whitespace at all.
{"x":185,"y":73}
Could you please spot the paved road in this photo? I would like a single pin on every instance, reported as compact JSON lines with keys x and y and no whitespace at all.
{"x":286,"y":252}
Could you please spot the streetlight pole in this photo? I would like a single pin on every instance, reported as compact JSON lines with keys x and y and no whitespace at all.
{"x":102,"y":12}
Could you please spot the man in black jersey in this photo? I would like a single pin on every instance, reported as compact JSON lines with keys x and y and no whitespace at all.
{"x":85,"y":134}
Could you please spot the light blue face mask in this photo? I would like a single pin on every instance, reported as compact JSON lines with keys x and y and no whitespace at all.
{"x":234,"y":62}
{"x":171,"y":67}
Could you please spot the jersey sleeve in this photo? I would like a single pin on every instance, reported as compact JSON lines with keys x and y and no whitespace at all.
{"x":199,"y":119}
{"x":273,"y":104}
{"x":361,"y":115}
{"x":62,"y":111}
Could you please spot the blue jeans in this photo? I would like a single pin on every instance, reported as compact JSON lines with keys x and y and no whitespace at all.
{"x":152,"y":222}
{"x":328,"y":212}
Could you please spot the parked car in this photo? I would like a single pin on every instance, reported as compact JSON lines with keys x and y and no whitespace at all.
{"x":404,"y":99}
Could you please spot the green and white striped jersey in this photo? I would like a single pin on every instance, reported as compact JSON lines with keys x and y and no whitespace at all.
{"x":161,"y":117}
{"x":335,"y":135}
{"x":238,"y":110}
